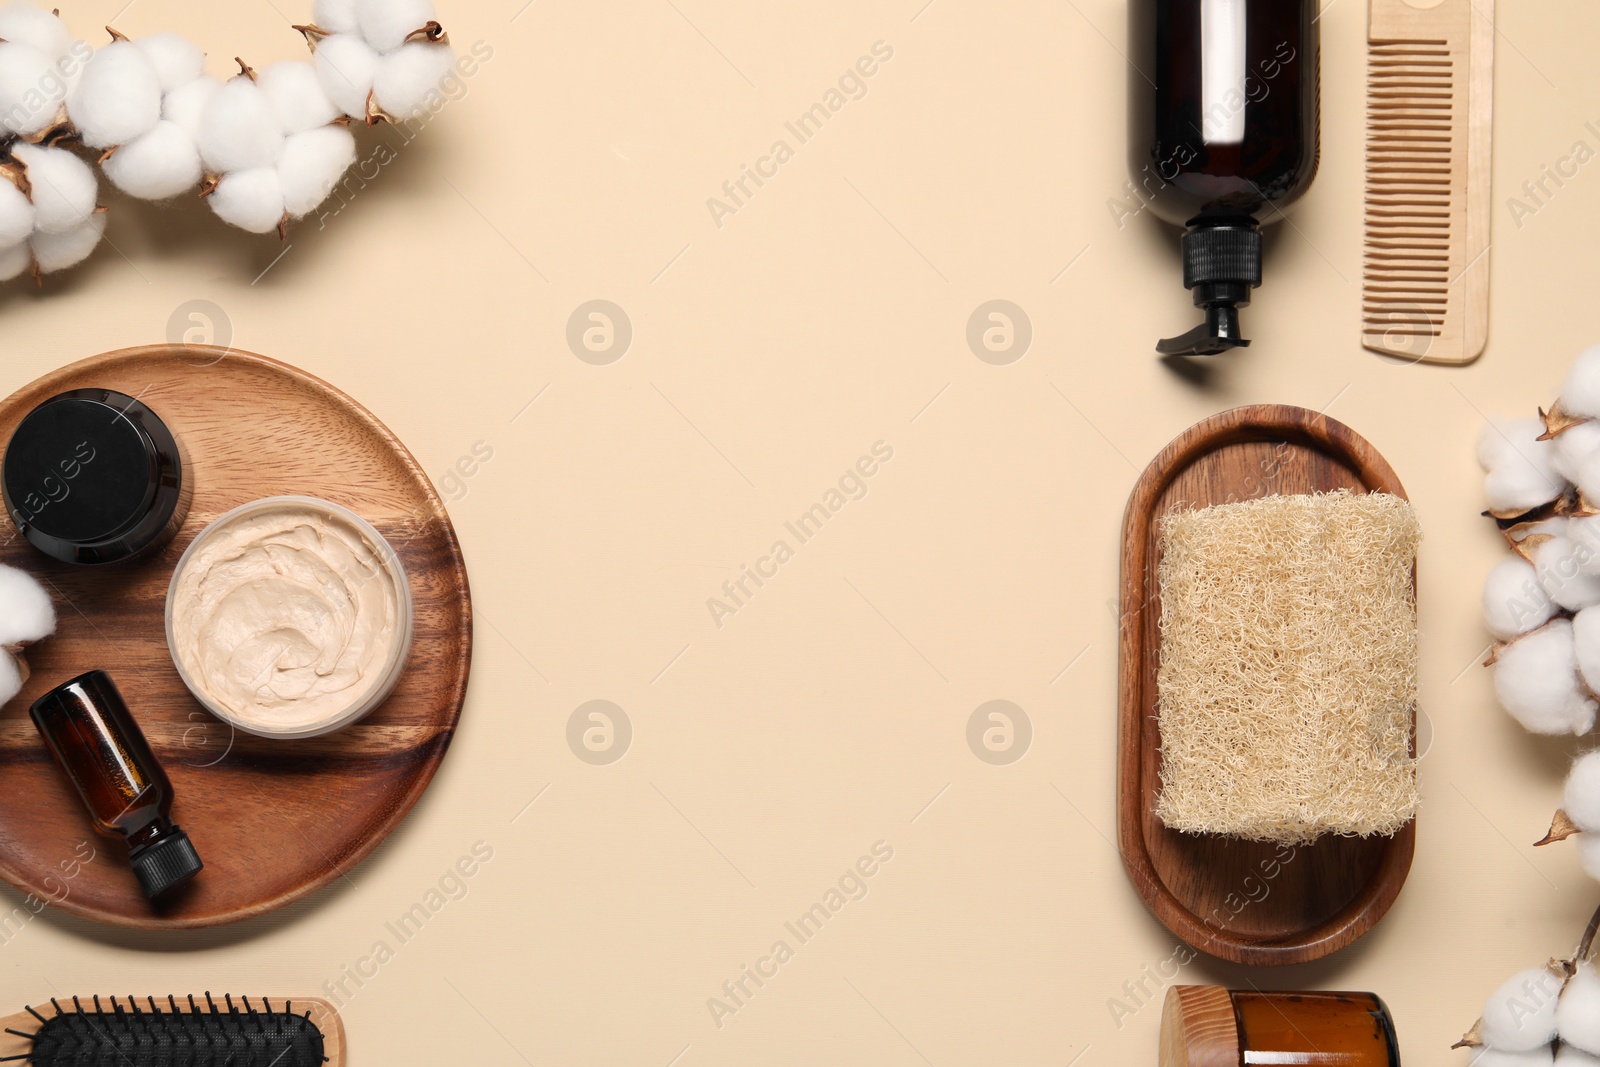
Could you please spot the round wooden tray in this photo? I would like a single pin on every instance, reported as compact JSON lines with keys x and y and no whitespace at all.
{"x":1239,"y":900}
{"x":273,"y":820}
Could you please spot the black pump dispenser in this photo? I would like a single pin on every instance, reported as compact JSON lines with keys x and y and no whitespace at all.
{"x":1221,"y":264}
{"x":1222,"y":137}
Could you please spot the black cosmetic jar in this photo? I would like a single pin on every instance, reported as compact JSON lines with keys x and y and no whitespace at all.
{"x":93,"y":476}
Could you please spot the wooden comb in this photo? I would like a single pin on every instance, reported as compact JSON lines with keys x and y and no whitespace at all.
{"x":1430,"y":101}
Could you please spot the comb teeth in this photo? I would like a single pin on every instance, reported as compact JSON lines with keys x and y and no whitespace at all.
{"x":122,"y":1034}
{"x":1430,"y":112}
{"x":1411,"y":168}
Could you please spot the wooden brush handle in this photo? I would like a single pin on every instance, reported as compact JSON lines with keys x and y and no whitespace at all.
{"x":322,"y":1014}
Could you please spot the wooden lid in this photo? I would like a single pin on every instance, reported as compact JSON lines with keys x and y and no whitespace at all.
{"x":1199,"y":1029}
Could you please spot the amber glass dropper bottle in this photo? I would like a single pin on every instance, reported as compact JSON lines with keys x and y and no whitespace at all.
{"x":96,"y":741}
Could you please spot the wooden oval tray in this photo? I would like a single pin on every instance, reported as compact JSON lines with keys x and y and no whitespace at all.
{"x":273,"y":820}
{"x":1242,"y":901}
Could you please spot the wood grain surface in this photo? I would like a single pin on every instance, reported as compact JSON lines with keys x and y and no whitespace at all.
{"x":1429,"y":175}
{"x":322,"y":1014}
{"x":1247,"y":902}
{"x":272,"y":819}
{"x":1199,"y":1028}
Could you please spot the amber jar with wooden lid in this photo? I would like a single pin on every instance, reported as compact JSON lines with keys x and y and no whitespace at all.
{"x":1209,"y":1026}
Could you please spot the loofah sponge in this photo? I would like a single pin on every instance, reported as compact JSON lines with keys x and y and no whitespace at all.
{"x":1288,"y":673}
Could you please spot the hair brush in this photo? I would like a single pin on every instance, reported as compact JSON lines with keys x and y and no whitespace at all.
{"x":299,"y":1033}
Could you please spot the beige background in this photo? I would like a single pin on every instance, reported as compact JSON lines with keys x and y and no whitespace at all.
{"x":827,"y":314}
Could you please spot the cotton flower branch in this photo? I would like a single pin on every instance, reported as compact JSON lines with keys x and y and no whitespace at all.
{"x":1579,"y":815}
{"x":263,"y":148}
{"x":1543,"y":1016}
{"x":1543,"y":605}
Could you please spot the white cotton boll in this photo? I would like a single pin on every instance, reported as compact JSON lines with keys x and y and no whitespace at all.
{"x":407,"y":81}
{"x":1536,"y":681}
{"x":1580,"y":392}
{"x":16,"y":215}
{"x":64,"y":186}
{"x":297,"y":96}
{"x":72,"y":64}
{"x":249,"y":199}
{"x":1557,"y":564}
{"x":1585,"y":535}
{"x":26,"y":613}
{"x":1513,"y":603}
{"x":335,"y":16}
{"x":1499,"y":439}
{"x":1521,"y":469}
{"x":162,"y":163}
{"x":10,"y":677}
{"x":15,"y":260}
{"x":1586,"y":646}
{"x":1555,"y":526}
{"x":1515,"y":487}
{"x":1521,"y":1015}
{"x":1580,"y":797}
{"x":118,"y":98}
{"x":176,"y":59}
{"x":1578,"y":1015}
{"x":1573,"y":445}
{"x":1589,"y":854}
{"x":387,"y":23}
{"x":58,"y":251}
{"x":1588,"y":477}
{"x":184,"y":105}
{"x":31,"y":89}
{"x":1494,"y":1057}
{"x":1573,"y":1056}
{"x":238,"y":128}
{"x":312,"y":164}
{"x":345,"y":66}
{"x":35,"y":27}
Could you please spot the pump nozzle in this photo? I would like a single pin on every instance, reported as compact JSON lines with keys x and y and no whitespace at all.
{"x":1217,"y":334}
{"x":1221,"y":264}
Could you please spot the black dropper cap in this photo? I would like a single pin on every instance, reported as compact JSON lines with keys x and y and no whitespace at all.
{"x":165,"y":863}
{"x":1221,"y":263}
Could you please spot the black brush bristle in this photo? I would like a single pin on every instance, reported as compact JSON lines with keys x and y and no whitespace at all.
{"x":128,"y":1036}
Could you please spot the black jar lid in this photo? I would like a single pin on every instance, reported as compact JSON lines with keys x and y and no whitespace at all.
{"x":83,"y":476}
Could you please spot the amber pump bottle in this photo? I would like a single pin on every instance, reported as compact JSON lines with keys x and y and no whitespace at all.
{"x":1222,"y":137}
{"x":96,"y":741}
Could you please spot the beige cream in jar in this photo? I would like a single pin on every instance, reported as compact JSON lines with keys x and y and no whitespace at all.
{"x":289,"y":617}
